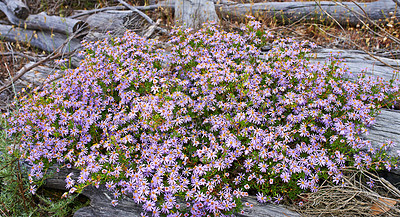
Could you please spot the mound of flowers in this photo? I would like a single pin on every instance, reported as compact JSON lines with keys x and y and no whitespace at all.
{"x":207,"y":122}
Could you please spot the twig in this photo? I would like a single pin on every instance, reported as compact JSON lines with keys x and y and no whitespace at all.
{"x":5,"y":208}
{"x":27,"y":68}
{"x":354,"y":198}
{"x":12,"y":83}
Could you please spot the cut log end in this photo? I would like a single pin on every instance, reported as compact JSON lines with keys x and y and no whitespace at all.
{"x":19,"y":9}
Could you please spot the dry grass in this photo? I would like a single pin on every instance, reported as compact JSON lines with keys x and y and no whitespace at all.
{"x":353,"y":198}
{"x":64,"y":7}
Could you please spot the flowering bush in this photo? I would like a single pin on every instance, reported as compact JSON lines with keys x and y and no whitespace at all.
{"x":207,"y":122}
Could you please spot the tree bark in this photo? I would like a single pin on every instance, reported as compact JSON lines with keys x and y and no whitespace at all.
{"x":346,"y":13}
{"x":193,"y":13}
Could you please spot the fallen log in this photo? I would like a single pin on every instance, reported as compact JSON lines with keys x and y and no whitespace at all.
{"x":43,"y":40}
{"x":42,"y":21}
{"x":62,"y":25}
{"x":345,"y":13}
{"x":18,"y":8}
{"x":358,"y":61}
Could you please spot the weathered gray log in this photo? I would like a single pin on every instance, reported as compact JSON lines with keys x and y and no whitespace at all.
{"x":37,"y":75}
{"x":386,"y":127}
{"x":359,"y":61}
{"x":44,"y":22}
{"x":46,"y":41}
{"x":18,"y":8}
{"x":63,"y":25}
{"x":193,"y":13}
{"x":289,"y":12}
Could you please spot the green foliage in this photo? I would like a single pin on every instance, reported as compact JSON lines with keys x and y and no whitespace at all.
{"x":15,"y":196}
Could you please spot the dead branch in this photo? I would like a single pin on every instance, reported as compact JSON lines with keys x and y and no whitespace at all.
{"x":137,"y":11}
